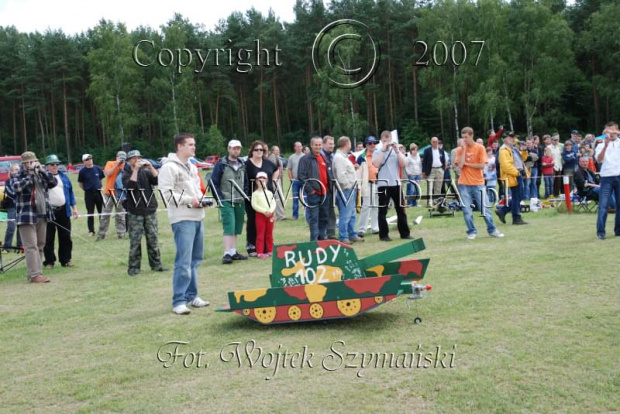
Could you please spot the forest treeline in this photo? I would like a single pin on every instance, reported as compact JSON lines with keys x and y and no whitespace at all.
{"x":533,"y":66}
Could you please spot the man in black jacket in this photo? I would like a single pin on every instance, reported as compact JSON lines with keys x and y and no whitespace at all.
{"x":315,"y":177}
{"x":433,"y":167}
{"x":587,"y":183}
{"x":139,"y":180}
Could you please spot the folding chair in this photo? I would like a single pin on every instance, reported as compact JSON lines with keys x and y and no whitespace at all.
{"x":586,"y":205}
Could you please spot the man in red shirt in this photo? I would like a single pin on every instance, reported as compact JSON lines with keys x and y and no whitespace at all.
{"x":471,"y":158}
{"x":315,"y":178}
{"x":494,"y":137}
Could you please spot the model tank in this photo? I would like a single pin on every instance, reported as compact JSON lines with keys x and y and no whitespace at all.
{"x":325,"y":280}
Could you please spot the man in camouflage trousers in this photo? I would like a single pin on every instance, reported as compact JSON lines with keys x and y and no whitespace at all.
{"x":139,"y":181}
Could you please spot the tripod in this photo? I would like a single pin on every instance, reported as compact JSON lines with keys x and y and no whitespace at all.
{"x":8,"y":265}
{"x":3,"y":250}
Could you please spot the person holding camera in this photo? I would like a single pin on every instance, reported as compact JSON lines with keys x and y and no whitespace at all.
{"x":31,"y":186}
{"x":110,"y":198}
{"x":139,"y":181}
{"x":8,"y":204}
{"x":389,"y":160}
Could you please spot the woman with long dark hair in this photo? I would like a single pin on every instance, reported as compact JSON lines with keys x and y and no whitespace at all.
{"x":256,"y":163}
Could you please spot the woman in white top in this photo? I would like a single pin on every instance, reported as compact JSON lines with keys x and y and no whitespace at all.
{"x":413,"y":168}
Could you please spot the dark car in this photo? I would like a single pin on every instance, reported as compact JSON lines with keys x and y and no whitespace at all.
{"x":284,"y":162}
{"x":155,"y":164}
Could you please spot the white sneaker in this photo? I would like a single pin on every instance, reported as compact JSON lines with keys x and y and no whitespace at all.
{"x":471,"y":236}
{"x":181,"y":310}
{"x":497,"y":233}
{"x":199,"y":303}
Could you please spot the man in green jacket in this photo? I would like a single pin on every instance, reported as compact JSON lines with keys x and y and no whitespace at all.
{"x":228,"y":178}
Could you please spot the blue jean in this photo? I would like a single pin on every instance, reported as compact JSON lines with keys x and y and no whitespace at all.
{"x":412,"y":190}
{"x":317,"y":215}
{"x":10,"y":229}
{"x":516,"y":194}
{"x":346,"y":210}
{"x":533,"y":186}
{"x":526,"y":188}
{"x":477,"y":194}
{"x":548,"y":185}
{"x":610,"y":186}
{"x":296,"y":188}
{"x":492,"y":191}
{"x":188,"y":239}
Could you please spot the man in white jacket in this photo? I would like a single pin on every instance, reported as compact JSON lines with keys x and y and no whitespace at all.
{"x":367,"y":175}
{"x":179,"y":183}
{"x":346,"y":192}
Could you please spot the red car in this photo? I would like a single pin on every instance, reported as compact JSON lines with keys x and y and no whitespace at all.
{"x":5,"y":166}
{"x":200,"y":165}
{"x":212,"y":159}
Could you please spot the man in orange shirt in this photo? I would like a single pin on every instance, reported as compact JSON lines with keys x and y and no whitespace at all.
{"x":111,"y":171}
{"x":471,"y":158}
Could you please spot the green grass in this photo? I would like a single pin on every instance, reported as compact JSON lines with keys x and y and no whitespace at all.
{"x":534,"y":318}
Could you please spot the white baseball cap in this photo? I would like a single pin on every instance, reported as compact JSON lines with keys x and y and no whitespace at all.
{"x":234,"y":143}
{"x":86,"y":156}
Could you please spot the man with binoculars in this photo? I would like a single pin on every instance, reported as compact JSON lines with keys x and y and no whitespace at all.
{"x":110,"y":201}
{"x":31,"y":186}
{"x":139,"y":181}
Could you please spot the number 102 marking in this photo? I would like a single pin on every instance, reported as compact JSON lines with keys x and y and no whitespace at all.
{"x":447,"y":54}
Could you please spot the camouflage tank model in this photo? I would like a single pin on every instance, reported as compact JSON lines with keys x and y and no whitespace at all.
{"x":325,"y":280}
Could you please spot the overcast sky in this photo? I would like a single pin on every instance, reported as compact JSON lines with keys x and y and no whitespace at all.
{"x":74,"y":16}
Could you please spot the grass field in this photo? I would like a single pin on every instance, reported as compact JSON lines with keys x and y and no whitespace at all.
{"x":530,"y":323}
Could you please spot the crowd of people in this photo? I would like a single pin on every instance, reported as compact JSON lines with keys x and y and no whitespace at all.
{"x":361,"y":184}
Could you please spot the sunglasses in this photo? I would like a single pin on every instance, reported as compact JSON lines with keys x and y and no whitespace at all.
{"x":53,"y":165}
{"x":258,"y":150}
{"x":372,"y":143}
